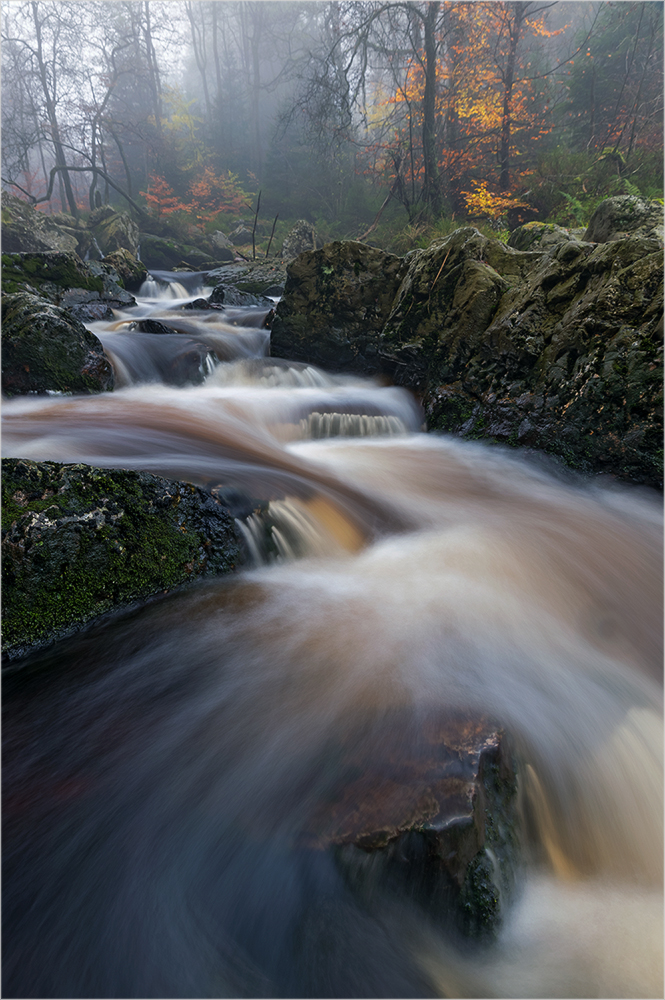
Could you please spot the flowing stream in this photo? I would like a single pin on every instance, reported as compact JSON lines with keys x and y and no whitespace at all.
{"x":160,"y":768}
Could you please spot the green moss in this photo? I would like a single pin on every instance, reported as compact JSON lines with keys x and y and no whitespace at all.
{"x":65,"y":270}
{"x":78,"y":542}
{"x":480,"y":899}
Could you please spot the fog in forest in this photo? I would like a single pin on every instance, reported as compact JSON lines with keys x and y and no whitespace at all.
{"x":342,"y":113}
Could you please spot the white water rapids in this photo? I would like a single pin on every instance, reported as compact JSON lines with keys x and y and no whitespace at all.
{"x":190,"y":742}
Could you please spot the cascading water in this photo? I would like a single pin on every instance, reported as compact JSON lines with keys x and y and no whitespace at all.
{"x":160,"y":769}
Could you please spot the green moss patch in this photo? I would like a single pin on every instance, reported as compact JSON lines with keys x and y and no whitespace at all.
{"x":78,"y":542}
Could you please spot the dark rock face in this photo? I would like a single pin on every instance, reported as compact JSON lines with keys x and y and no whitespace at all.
{"x":551,"y":341}
{"x":45,"y":349}
{"x":570,"y":362}
{"x":79,"y":541}
{"x":335,"y":303}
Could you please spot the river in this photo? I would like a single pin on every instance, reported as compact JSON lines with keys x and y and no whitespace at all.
{"x":160,"y":768}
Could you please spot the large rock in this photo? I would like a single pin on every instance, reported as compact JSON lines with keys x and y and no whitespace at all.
{"x":113,"y":230}
{"x":46,"y":349}
{"x":553,"y":342}
{"x":131,"y":272}
{"x":165,"y":254}
{"x":616,"y":218}
{"x":79,"y":541}
{"x":55,"y":275}
{"x":258,"y":277}
{"x":336,"y":301}
{"x":25,"y":229}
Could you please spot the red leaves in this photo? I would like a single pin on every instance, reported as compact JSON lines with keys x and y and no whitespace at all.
{"x":208,"y":194}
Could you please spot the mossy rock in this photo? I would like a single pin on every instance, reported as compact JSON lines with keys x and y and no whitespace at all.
{"x":114,"y":231}
{"x":45,"y":349}
{"x":625,"y":215}
{"x":48,"y":271}
{"x":66,"y":280}
{"x":539,"y":236}
{"x":24,"y":229}
{"x":162,"y":254}
{"x":78,"y":542}
{"x":131,"y":272}
{"x":336,"y":301}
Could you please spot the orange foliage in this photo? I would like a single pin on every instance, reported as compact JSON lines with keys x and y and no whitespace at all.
{"x":477,"y":104}
{"x":208,"y":194}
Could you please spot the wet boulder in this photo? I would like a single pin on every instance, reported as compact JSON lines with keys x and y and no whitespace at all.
{"x":45,"y":350}
{"x":165,"y":254}
{"x":228,"y":295}
{"x":78,"y":542}
{"x":336,"y":301}
{"x":131,"y":272}
{"x":434,"y":815}
{"x":257,"y":277}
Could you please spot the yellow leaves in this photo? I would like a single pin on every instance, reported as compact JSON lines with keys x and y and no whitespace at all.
{"x":482,"y":201}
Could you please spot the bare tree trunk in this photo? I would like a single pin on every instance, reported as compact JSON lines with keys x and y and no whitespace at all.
{"x":198,"y":45}
{"x":51,"y":113}
{"x":516,"y":16}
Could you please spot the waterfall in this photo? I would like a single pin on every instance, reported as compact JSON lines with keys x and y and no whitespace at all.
{"x":167,"y":771}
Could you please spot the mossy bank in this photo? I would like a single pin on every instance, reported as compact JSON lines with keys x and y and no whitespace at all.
{"x":78,"y":542}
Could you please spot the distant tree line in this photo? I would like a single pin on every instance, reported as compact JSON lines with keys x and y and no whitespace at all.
{"x":332,"y":109}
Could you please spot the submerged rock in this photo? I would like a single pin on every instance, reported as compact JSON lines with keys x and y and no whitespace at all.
{"x":79,"y":541}
{"x":45,"y":349}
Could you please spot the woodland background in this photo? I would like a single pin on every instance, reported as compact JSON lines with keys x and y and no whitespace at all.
{"x":391,"y":121}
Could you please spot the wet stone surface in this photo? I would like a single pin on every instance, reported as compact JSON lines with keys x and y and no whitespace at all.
{"x":433,"y":816}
